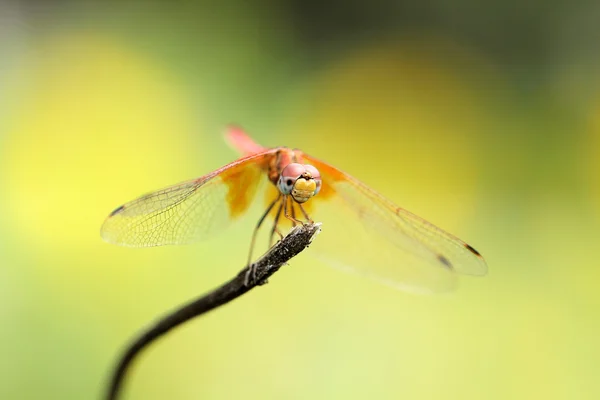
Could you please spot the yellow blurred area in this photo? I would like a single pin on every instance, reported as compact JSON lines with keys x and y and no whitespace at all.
{"x":407,"y":114}
{"x":88,"y":92}
{"x":102,"y":104}
{"x":593,"y":155}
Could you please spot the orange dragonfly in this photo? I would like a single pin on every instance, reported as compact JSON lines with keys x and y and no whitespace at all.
{"x":370,"y":235}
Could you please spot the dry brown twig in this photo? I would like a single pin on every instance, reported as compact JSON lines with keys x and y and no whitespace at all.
{"x":248,"y":278}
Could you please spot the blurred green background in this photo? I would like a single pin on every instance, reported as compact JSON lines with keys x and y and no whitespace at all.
{"x":484,"y":118}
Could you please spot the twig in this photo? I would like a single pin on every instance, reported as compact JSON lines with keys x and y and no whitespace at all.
{"x":257,"y":274}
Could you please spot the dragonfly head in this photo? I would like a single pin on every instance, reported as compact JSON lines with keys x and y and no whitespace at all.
{"x":301,"y":181}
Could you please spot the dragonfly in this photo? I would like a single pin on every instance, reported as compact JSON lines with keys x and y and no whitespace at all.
{"x":370,"y":235}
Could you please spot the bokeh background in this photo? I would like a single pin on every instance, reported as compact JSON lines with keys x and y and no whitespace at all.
{"x":483,"y":118}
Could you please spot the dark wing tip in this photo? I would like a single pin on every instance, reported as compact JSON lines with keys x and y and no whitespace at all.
{"x":444,"y":261}
{"x":472,"y":250}
{"x":117,"y":210}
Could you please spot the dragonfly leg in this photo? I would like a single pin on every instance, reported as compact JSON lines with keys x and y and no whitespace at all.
{"x":288,"y":216}
{"x":309,"y":219}
{"x":293,"y":212}
{"x":260,"y":221}
{"x":275,"y":229}
{"x":251,"y":274}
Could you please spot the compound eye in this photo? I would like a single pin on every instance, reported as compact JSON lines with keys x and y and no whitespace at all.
{"x":288,"y":177}
{"x":293,"y":171}
{"x":318,"y":182}
{"x":313,"y":172}
{"x":285,"y":185}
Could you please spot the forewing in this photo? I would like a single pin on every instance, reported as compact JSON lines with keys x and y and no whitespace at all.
{"x":189,"y":211}
{"x":374,"y":237}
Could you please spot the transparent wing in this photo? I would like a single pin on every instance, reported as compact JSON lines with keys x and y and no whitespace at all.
{"x":370,"y":235}
{"x":189,"y":211}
